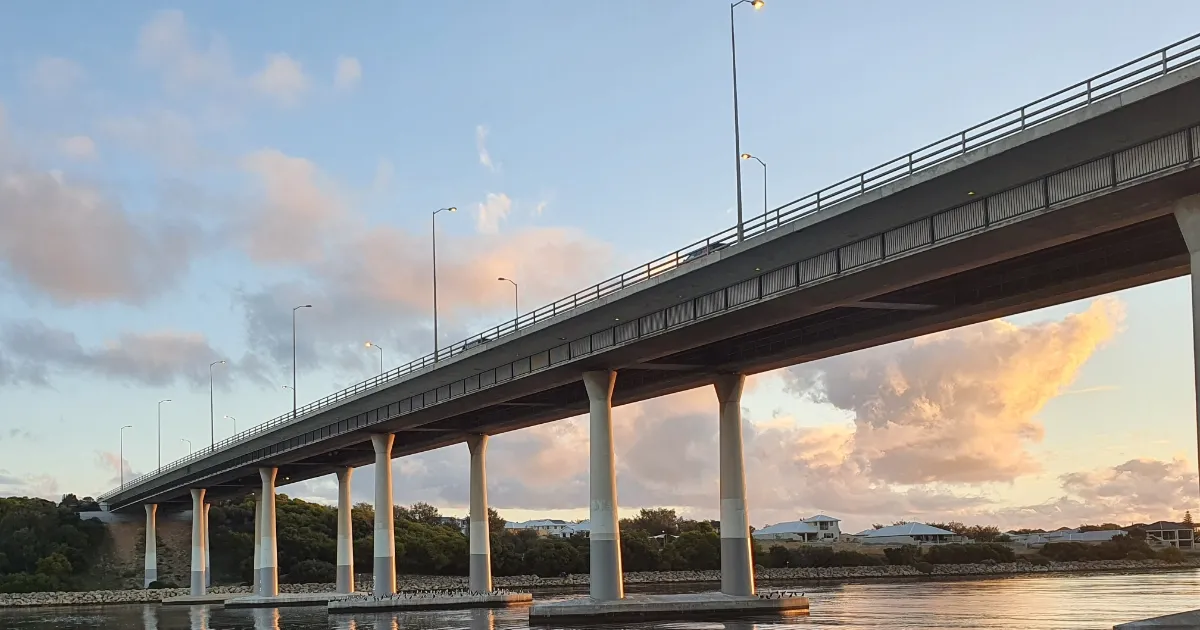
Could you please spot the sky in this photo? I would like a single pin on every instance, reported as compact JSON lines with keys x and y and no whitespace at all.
{"x":173,"y":181}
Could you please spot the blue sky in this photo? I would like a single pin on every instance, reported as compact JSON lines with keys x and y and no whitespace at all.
{"x":189,"y":175}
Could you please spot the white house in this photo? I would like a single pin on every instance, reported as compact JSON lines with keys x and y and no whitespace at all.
{"x":819,"y":528}
{"x":1174,"y":534}
{"x":1065,"y":535}
{"x":553,"y":527}
{"x":908,"y":534}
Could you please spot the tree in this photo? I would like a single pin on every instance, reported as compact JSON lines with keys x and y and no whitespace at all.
{"x":496,"y":523}
{"x":653,"y":521}
{"x":1187,"y":519}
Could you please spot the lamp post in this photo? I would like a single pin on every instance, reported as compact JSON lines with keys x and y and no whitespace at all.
{"x":747,"y":156}
{"x":294,"y":356}
{"x":516,"y":303}
{"x":121,"y":463}
{"x":189,"y":445}
{"x":737,"y":132}
{"x":234,"y":423}
{"x":435,"y":321}
{"x":160,"y":431}
{"x":212,"y":425}
{"x":375,"y":345}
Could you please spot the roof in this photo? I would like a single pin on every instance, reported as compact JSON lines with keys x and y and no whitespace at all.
{"x":1096,"y":536}
{"x":821,"y":518}
{"x":541,"y":522}
{"x":790,"y":527}
{"x":906,"y":529}
{"x":1165,"y":525}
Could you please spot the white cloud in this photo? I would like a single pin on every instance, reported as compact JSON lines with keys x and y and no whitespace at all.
{"x":348,"y":74}
{"x":41,"y":486}
{"x":298,"y":212}
{"x":165,"y":44}
{"x":167,"y":135}
{"x":492,"y":211}
{"x":78,"y":147}
{"x":384,"y":172}
{"x":540,"y":208}
{"x":56,"y":74}
{"x":485,"y":158}
{"x":282,"y":79}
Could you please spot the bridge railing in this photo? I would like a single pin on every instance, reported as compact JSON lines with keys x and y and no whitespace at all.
{"x":1119,"y":79}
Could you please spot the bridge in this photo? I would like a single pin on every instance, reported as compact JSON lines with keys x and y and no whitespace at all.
{"x":1086,"y":191}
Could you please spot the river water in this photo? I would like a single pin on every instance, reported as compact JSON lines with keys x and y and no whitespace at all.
{"x":1049,"y":602}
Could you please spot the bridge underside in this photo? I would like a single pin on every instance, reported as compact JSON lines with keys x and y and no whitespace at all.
{"x":1109,"y":243}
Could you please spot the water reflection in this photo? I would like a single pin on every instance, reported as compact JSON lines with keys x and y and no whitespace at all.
{"x":344,"y":623}
{"x":483,"y":619}
{"x":150,"y":617}
{"x":266,"y":619}
{"x":198,"y":616}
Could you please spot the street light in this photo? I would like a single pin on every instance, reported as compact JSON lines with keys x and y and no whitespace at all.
{"x":234,"y":423}
{"x":160,"y":431}
{"x":747,"y":156}
{"x":121,"y":463}
{"x":189,"y":445}
{"x":737,"y":132}
{"x":516,"y":305}
{"x":293,"y":388}
{"x":375,"y":345}
{"x":212,"y":425}
{"x":435,"y":330}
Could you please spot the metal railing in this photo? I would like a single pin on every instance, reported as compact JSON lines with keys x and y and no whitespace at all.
{"x":1119,"y":79}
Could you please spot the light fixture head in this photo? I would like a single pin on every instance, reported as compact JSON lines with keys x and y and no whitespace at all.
{"x":451,"y":209}
{"x":746,"y":156}
{"x":757,"y":4}
{"x":368,"y":344}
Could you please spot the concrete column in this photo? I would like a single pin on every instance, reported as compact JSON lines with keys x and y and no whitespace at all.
{"x":606,"y":580}
{"x":198,"y":587}
{"x":1187,"y":215}
{"x":256,"y":563}
{"x":207,"y":549}
{"x":480,"y":579}
{"x":345,"y":534}
{"x":737,"y":562}
{"x":151,"y":544}
{"x":385,"y":535}
{"x":268,"y":580}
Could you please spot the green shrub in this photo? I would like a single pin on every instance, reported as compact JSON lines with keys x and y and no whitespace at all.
{"x":162,"y":584}
{"x":923,"y":567}
{"x":1172,"y":555}
{"x":907,"y":554}
{"x":969,"y":553}
{"x":311,"y":572}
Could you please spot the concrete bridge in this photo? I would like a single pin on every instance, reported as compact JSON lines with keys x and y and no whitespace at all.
{"x":1087,"y":191}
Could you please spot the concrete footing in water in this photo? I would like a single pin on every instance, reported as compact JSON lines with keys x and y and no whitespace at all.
{"x":663,"y":607}
{"x":428,"y":600}
{"x":1190,"y":620}
{"x":283,"y":599}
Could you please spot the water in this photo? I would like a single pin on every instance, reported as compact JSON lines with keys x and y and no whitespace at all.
{"x":1060,"y":602}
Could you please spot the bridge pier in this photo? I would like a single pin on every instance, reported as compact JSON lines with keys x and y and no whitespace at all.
{"x":480,"y":575}
{"x":737,"y":561}
{"x":345,"y":534}
{"x":198,"y":587}
{"x":151,"y":544}
{"x":385,"y":534}
{"x":268,"y":580}
{"x":256,"y":564}
{"x":607,"y":583}
{"x":1187,"y":215}
{"x":207,"y":549}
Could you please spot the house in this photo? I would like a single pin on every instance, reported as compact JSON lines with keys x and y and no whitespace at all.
{"x":1179,"y":535}
{"x":819,"y":528}
{"x":553,"y":527}
{"x":1065,"y":535}
{"x":908,"y":534}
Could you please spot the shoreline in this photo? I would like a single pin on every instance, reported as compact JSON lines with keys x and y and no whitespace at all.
{"x":763,"y":576}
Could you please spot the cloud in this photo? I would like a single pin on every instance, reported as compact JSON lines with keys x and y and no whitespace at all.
{"x":78,"y":148}
{"x":162,"y":133}
{"x":485,"y":158}
{"x":42,"y":486}
{"x":491,"y":212}
{"x":111,"y":463}
{"x":384,"y":172}
{"x":348,"y":73}
{"x":99,"y":253}
{"x":165,"y":44}
{"x":55,"y":75}
{"x":540,"y":208}
{"x":298,"y":209}
{"x":957,"y":406}
{"x":282,"y":79}
{"x":153,"y":359}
